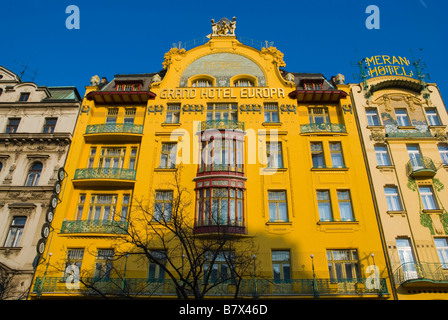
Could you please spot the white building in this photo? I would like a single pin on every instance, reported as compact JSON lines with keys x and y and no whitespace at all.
{"x":36,"y":126}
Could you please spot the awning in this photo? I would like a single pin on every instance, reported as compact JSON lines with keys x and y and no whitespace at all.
{"x":121,"y":97}
{"x":318,"y":96}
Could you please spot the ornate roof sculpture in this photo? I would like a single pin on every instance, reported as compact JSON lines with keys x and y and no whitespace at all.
{"x":224,"y":27}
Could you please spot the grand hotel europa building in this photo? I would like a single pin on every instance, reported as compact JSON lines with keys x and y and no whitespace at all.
{"x":223,"y":175}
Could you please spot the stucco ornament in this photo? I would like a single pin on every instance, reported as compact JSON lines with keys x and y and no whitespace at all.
{"x":95,"y":80}
{"x":273,"y":55}
{"x":224,"y":27}
{"x":175,"y":54}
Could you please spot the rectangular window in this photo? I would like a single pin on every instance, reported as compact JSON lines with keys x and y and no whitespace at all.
{"x":112,"y":114}
{"x":24,"y":96}
{"x":220,"y":268}
{"x":133,"y":158}
{"x":222,"y":111}
{"x":402,"y":117}
{"x":318,"y":115}
{"x":168,"y":156}
{"x":271,"y":113}
{"x":281,"y":266}
{"x":442,"y":251}
{"x":382,"y":156}
{"x":129,"y":116}
{"x":324,"y":205}
{"x":80,"y":206}
{"x":345,"y":205}
{"x":163,"y":206}
{"x":15,"y":232}
{"x":393,"y":199}
{"x":50,"y":124}
{"x":433,"y":117}
{"x":91,"y":157}
{"x":443,"y":149}
{"x":125,"y":207}
{"x":337,"y":159}
{"x":414,"y":156}
{"x":74,"y":258}
{"x":372,"y":117}
{"x":102,"y":207}
{"x":112,"y":157}
{"x":428,"y":199}
{"x":274,"y":154}
{"x":278,"y":209}
{"x":128,"y":87}
{"x":155,"y":271}
{"x":406,"y":255}
{"x":13,"y":125}
{"x":343,"y":264}
{"x":172,"y":113}
{"x":103,"y":264}
{"x":317,"y":155}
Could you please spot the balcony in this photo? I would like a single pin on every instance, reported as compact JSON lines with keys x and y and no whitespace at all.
{"x":221,"y":169}
{"x":94,"y":226}
{"x":422,"y":274}
{"x":104,"y":176}
{"x":222,"y":124}
{"x":113,"y":132}
{"x":249,"y":288}
{"x":322,"y":128}
{"x":421,"y":167}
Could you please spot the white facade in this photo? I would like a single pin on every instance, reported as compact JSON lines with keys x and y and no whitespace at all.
{"x":36,"y":126}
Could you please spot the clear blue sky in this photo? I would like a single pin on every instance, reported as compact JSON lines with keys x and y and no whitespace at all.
{"x":132,"y":36}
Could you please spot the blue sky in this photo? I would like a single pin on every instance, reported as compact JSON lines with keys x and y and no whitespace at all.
{"x":132,"y":36}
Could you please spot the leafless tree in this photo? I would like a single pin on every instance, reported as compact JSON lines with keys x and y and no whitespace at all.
{"x":196,"y":264}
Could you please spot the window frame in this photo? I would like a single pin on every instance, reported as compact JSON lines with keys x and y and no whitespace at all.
{"x":12,"y":127}
{"x":323,"y":203}
{"x":371,"y":117}
{"x":278,"y":203}
{"x":334,"y":261}
{"x":283,"y":275}
{"x":382,"y":154}
{"x":400,"y":117}
{"x":49,"y":127}
{"x":15,"y":232}
{"x":392,"y":196}
{"x":33,"y":175}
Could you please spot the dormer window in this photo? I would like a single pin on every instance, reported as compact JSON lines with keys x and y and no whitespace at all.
{"x":24,"y":96}
{"x":128,"y":86}
{"x":312,"y":85}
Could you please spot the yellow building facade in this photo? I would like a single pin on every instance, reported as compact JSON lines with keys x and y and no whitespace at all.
{"x":241,"y":150}
{"x":402,"y":123}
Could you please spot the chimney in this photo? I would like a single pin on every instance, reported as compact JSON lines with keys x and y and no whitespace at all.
{"x":103,"y":80}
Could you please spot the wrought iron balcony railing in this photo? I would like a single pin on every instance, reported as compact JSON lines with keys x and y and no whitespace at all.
{"x":115,"y":128}
{"x":222,"y":124}
{"x":105,"y":173}
{"x":433,"y":274}
{"x":421,"y":166}
{"x":94,"y":226}
{"x":247,"y":288}
{"x":323,"y":127}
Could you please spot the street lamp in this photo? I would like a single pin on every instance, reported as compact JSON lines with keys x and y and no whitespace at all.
{"x":315,"y":292}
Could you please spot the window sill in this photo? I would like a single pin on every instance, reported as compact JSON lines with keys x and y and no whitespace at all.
{"x":272,"y":124}
{"x":435,"y":211}
{"x":165,"y":169}
{"x":391,"y":212}
{"x":385,"y":167}
{"x":437,"y":126}
{"x":275,"y":169}
{"x":329,"y":169}
{"x":375,"y":127}
{"x":170,"y":124}
{"x":406,"y":127}
{"x":277,"y":223}
{"x":320,"y":222}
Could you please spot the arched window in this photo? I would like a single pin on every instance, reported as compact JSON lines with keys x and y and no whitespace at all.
{"x":243,"y":83}
{"x":201,"y":83}
{"x":34,"y":174}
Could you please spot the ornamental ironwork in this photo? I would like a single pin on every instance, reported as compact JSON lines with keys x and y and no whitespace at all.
{"x":115,"y":128}
{"x":323,"y":127}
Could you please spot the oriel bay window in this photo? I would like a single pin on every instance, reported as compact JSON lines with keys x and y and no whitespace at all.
{"x":222,"y":155}
{"x":220,"y":206}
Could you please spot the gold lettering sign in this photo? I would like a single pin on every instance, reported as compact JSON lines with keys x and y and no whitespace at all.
{"x":384,"y":65}
{"x":222,"y":93}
